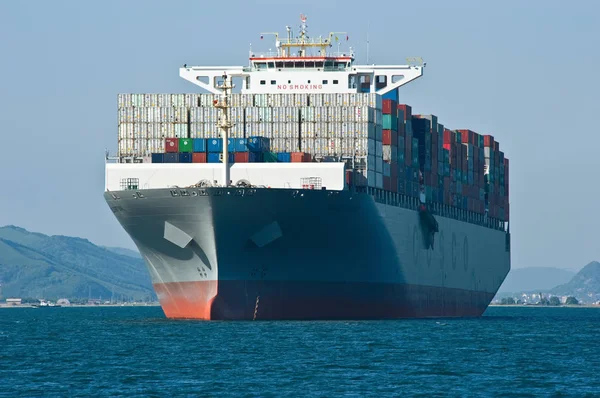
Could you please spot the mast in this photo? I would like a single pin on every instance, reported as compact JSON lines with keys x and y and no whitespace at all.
{"x":224,"y":122}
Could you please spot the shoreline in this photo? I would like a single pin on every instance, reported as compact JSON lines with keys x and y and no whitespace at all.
{"x":546,"y":306}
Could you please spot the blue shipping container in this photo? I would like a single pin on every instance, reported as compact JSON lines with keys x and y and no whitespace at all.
{"x":231,"y":157}
{"x":255,"y":157}
{"x":199,"y":145}
{"x":230,"y":144}
{"x":241,"y":145}
{"x":158,"y":158}
{"x":259,"y":144}
{"x":215,"y":145}
{"x":214,"y":158}
{"x":284,"y":157}
{"x":171,"y":158}
{"x":185,"y":157}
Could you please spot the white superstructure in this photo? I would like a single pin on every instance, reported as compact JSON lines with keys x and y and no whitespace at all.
{"x":304,"y":64}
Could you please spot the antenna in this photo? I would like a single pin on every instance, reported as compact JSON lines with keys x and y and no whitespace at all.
{"x":368,"y":28}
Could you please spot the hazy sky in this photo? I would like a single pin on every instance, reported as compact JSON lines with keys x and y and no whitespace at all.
{"x":521,"y":71}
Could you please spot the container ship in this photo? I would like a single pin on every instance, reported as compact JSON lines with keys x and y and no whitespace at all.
{"x":300,"y":187}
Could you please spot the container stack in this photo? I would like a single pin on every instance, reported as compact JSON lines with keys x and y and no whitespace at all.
{"x":146,"y":120}
{"x":391,"y":149}
{"x":495,"y":179}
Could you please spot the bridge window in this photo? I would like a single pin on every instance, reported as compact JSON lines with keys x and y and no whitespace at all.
{"x":319,"y":64}
{"x":279,"y":64}
{"x":261,"y":65}
{"x":288,"y":64}
{"x":310,"y":64}
{"x":271,"y":64}
{"x":299,"y":64}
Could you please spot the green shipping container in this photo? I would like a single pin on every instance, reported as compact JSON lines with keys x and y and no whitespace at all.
{"x":185,"y":145}
{"x":270,"y":157}
{"x":390,"y":122}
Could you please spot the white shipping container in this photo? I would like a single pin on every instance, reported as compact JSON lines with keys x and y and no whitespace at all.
{"x":126,"y":114}
{"x":137,"y":100}
{"x":126,"y":147}
{"x":181,"y":130}
{"x":348,"y":146}
{"x":167,"y":130}
{"x":156,"y":146}
{"x":321,"y":146}
{"x":292,"y":145}
{"x":191,"y":100}
{"x":164,"y":100}
{"x":140,"y":147}
{"x":308,"y":129}
{"x":360,"y":145}
{"x":307,"y":145}
{"x":265,"y":115}
{"x":390,"y":153}
{"x":379,"y":180}
{"x":140,"y":130}
{"x":335,"y":146}
{"x":124,"y":100}
{"x":307,"y":113}
{"x":125,"y":131}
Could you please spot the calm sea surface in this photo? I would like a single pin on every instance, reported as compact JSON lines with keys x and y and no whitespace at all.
{"x":136,"y":351}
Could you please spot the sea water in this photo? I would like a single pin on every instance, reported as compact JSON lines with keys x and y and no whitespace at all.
{"x":135,"y":351}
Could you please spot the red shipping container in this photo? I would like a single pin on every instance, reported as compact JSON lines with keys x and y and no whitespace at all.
{"x":299,"y":157}
{"x":386,"y":183}
{"x":449,"y":137}
{"x":199,"y":158}
{"x":448,"y":147}
{"x":390,"y":137}
{"x":389,"y":105}
{"x":348,"y":177}
{"x":172,"y":145}
{"x":241,"y":157}
{"x":488,"y":141}
{"x":466,"y":136}
{"x":407,"y":110}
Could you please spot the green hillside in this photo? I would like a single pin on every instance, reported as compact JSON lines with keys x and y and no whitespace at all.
{"x":585,"y":285}
{"x":51,"y":267}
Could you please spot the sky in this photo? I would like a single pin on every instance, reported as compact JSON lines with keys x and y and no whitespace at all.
{"x":524,"y":72}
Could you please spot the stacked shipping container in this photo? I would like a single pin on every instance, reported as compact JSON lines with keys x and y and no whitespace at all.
{"x":393,"y":150}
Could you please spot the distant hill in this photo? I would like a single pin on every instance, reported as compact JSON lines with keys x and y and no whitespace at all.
{"x":40,"y":266}
{"x":585,"y":284}
{"x":124,"y":252}
{"x":534,"y":279}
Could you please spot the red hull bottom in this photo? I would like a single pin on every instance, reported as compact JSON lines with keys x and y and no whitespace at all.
{"x":265,"y":300}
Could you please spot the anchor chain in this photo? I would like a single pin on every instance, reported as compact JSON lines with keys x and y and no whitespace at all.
{"x":256,"y":308}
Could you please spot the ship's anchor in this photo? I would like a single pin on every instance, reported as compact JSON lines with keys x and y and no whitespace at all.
{"x":429,"y":226}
